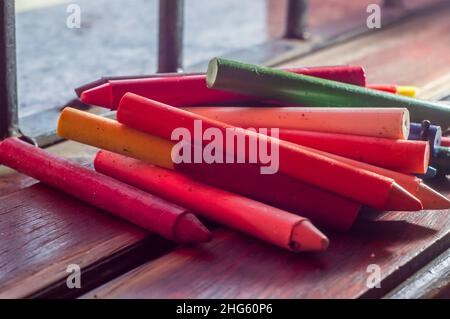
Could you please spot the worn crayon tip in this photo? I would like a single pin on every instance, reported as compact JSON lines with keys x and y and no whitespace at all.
{"x":191,"y":230}
{"x":401,"y":200}
{"x":306,"y":237}
{"x":100,"y":96}
{"x":432,"y":199}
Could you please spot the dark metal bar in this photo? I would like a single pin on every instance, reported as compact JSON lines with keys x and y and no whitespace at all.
{"x":297,"y":19}
{"x":8,"y":82}
{"x":170,"y":51}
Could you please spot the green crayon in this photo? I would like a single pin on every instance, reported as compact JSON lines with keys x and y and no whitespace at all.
{"x":274,"y":84}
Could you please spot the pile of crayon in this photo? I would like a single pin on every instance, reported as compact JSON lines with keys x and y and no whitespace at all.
{"x":341,"y":147}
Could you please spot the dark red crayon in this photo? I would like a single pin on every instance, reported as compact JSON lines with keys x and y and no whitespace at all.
{"x":189,"y":90}
{"x":145,"y":210}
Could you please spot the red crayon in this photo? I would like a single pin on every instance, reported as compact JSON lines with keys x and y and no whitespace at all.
{"x":268,"y":223}
{"x":322,"y":207}
{"x":391,"y":88}
{"x":445,"y":141}
{"x":399,"y":155}
{"x":145,"y":210}
{"x":294,"y":160}
{"x":191,"y":89}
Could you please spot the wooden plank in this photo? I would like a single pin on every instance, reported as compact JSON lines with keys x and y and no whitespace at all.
{"x":432,"y":281}
{"x":236,"y":266}
{"x":411,"y":53}
{"x":42,"y":231}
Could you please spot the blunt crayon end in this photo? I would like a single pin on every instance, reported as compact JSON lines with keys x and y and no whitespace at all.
{"x":211,"y":74}
{"x":410,"y":91}
{"x":401,"y":200}
{"x":306,"y":237}
{"x":99,"y":96}
{"x":191,"y":230}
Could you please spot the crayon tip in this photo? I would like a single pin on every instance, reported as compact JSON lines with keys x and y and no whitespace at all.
{"x":410,"y":91}
{"x":401,"y":200}
{"x":432,"y":199}
{"x":306,"y":237}
{"x":99,"y":96}
{"x":189,"y":229}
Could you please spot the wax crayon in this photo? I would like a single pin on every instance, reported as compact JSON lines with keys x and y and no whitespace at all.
{"x":267,"y":83}
{"x":390,"y":123}
{"x":161,"y":120}
{"x":116,"y":137}
{"x":442,"y":160}
{"x":410,"y":91}
{"x":108,"y":134}
{"x":426,"y":132}
{"x":280,"y":191}
{"x":192,"y":90}
{"x":430,"y":173}
{"x":400,"y":155}
{"x":147,"y":211}
{"x":104,"y":79}
{"x":445,"y":141}
{"x":265,"y":222}
{"x":429,"y":198}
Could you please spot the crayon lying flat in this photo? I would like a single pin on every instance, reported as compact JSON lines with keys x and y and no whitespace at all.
{"x":147,"y":211}
{"x":192,"y":90}
{"x":271,"y":84}
{"x":274,"y":189}
{"x":265,"y":222}
{"x":410,"y":91}
{"x":277,"y":190}
{"x":429,"y":198}
{"x":390,"y":123}
{"x":400,"y":155}
{"x":161,"y":120}
{"x":426,"y":132}
{"x":105,"y":79}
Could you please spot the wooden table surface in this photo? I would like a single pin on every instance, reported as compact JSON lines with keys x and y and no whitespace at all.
{"x":43,"y":231}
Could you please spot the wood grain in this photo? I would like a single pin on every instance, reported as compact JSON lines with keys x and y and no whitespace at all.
{"x":432,"y":281}
{"x":42,"y":231}
{"x":236,"y":266}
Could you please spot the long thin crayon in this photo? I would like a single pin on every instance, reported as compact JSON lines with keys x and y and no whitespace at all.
{"x":147,"y":211}
{"x":161,"y":120}
{"x":392,"y":123}
{"x":274,"y":189}
{"x":271,"y":84}
{"x":265,"y":222}
{"x":399,"y":155}
{"x":192,"y":90}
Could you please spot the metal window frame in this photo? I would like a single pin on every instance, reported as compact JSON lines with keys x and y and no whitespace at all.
{"x":171,"y":18}
{"x":9,"y":114}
